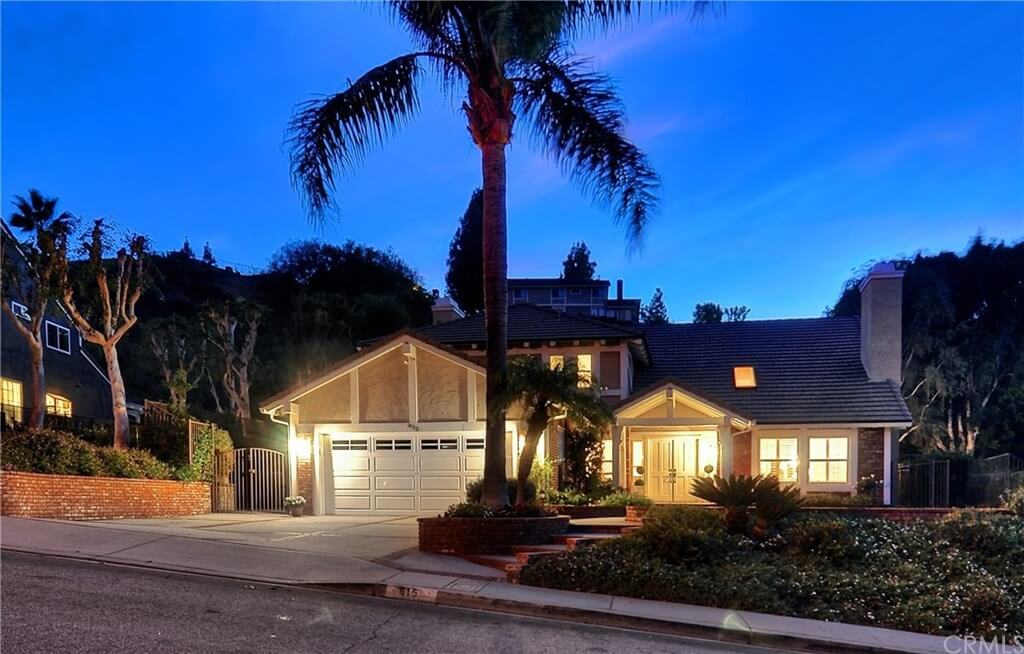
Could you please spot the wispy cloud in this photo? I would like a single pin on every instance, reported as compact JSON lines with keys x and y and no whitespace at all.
{"x":928,"y":137}
{"x":606,"y":50}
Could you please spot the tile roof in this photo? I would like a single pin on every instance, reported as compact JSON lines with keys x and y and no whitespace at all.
{"x":527,"y":322}
{"x":808,"y":370}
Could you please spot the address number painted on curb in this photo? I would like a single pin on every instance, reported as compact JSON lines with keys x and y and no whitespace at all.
{"x":409,"y":593}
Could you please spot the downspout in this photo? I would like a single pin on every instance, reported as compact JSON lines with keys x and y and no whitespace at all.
{"x":293,"y":463}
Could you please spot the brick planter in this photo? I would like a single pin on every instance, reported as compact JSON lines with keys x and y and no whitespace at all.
{"x":579,"y":512}
{"x":636,"y":513}
{"x":68,"y":497}
{"x":487,"y":535}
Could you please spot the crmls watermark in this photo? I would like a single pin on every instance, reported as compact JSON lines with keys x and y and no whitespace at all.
{"x":975,"y":645}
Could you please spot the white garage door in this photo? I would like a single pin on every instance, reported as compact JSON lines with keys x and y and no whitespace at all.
{"x":403,"y":473}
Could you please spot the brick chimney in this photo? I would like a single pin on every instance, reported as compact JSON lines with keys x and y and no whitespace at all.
{"x":445,"y":309}
{"x":618,"y":289}
{"x":881,"y":318}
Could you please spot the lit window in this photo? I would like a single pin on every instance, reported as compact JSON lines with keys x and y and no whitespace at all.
{"x":58,"y":405}
{"x":11,"y":399}
{"x":58,"y":337}
{"x":828,"y":460}
{"x":556,"y":361}
{"x":584,"y":366}
{"x":743,"y":377}
{"x":607,"y":464}
{"x":779,"y":458}
{"x":20,"y":310}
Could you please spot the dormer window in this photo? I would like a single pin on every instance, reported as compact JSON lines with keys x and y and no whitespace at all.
{"x":743,"y":377}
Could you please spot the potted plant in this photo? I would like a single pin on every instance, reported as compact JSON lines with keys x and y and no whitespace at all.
{"x":636,"y":505}
{"x":295,"y":504}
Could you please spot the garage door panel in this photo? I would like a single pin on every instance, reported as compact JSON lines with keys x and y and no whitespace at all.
{"x":387,"y":462}
{"x":395,"y":483}
{"x":351,"y":502}
{"x":474,"y":463}
{"x":401,"y":503}
{"x":346,"y":461}
{"x":440,"y":462}
{"x":439,"y":503}
{"x":441,"y":483}
{"x":351,"y":483}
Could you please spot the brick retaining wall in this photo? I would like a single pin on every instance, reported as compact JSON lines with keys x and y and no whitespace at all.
{"x":486,"y":535}
{"x":581,"y":512}
{"x":68,"y":497}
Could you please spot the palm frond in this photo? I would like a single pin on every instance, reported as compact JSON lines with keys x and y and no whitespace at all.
{"x":603,"y":15}
{"x":575,"y":114}
{"x":332,"y":134}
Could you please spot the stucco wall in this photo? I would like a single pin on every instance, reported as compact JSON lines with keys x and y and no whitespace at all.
{"x":384,"y":389}
{"x":441,"y":386}
{"x":330,"y":403}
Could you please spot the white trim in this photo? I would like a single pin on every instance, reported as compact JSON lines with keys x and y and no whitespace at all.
{"x":46,"y":336}
{"x":20,"y":310}
{"x":831,"y":425}
{"x":887,"y":468}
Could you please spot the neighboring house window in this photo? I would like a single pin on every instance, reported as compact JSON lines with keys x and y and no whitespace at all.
{"x":607,"y":465}
{"x":58,"y":405}
{"x":12,"y":402}
{"x":585,"y":366}
{"x":58,"y":337}
{"x":779,"y":458}
{"x":828,"y":460}
{"x":20,"y":310}
{"x":519,"y":294}
{"x":575,"y":291}
{"x":558,"y":294}
{"x":556,"y":361}
{"x":743,"y":377}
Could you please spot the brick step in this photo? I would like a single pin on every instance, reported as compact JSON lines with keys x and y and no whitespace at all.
{"x":574,"y":540}
{"x":505,"y":562}
{"x":600,"y":529}
{"x":525,"y":557}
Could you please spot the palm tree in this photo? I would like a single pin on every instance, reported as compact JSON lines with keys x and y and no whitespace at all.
{"x":35,"y":282}
{"x":544,"y":393}
{"x":513,"y":61}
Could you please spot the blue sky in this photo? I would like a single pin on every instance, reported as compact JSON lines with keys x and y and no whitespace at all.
{"x":795,"y":142}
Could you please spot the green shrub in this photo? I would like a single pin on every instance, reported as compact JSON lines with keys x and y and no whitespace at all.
{"x":468,"y":510}
{"x":568,"y":497}
{"x":685,"y":517}
{"x":1013,"y":499}
{"x":475,"y":489}
{"x":835,"y":500}
{"x":993,"y":539}
{"x":210,"y":440}
{"x":58,"y":453}
{"x":827,"y":537}
{"x":624,"y":498}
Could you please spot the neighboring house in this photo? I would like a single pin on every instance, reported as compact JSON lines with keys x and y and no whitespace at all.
{"x":75,"y":386}
{"x":579,"y":298}
{"x":399,"y":426}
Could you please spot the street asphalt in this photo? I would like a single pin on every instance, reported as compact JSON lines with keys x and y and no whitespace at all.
{"x":51,"y":604}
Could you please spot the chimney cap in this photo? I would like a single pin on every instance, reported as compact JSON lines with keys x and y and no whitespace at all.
{"x":448,"y":303}
{"x":882,"y":270}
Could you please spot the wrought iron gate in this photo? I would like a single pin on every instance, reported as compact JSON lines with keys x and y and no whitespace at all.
{"x":260,"y":479}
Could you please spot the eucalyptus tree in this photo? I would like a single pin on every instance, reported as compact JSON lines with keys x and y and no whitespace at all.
{"x":515,"y":67}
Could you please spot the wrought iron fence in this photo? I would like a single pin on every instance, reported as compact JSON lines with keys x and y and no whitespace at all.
{"x":923,"y":483}
{"x":991,"y":477}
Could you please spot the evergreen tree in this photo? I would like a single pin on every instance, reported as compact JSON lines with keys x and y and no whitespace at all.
{"x":187,"y":251}
{"x":707,"y":312}
{"x":208,"y":255}
{"x":465,"y":276}
{"x":655,"y":313}
{"x":577,"y":266}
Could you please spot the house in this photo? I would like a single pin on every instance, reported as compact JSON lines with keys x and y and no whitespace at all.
{"x":577,"y":298}
{"x":76,"y":387}
{"x":399,"y":426}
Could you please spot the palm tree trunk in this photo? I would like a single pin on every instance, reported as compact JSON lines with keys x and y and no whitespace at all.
{"x":495,"y":489}
{"x":37,"y":411}
{"x":120,"y":404}
{"x":534,"y":429}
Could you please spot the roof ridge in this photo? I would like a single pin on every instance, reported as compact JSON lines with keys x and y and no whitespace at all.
{"x":584,"y":319}
{"x":749,"y":322}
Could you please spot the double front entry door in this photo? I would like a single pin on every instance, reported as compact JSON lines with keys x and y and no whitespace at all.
{"x":673,"y":462}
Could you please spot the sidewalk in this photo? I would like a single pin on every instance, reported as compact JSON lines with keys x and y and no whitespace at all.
{"x":442,"y":580}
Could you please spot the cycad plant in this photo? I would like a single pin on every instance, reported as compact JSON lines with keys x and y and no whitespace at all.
{"x":514,"y":65}
{"x":773,"y":502}
{"x":734,"y":493}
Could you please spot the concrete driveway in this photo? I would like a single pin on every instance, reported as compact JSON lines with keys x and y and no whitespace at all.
{"x":371,"y":538}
